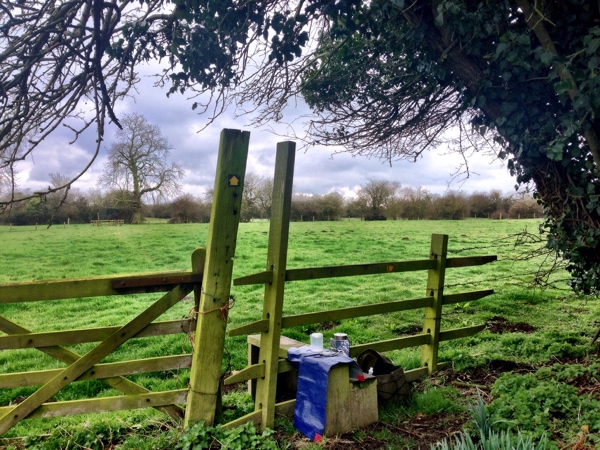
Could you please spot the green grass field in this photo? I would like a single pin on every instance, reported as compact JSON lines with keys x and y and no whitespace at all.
{"x":564,"y":324}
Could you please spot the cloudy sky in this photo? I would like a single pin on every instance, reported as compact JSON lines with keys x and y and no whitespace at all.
{"x":318,"y":170}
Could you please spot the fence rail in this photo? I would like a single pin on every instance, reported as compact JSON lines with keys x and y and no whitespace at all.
{"x":114,"y":222}
{"x":63,"y":289}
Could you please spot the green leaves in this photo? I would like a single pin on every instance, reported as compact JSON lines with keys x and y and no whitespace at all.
{"x":537,"y":401}
{"x":199,"y":436}
{"x":546,"y":57}
{"x":563,"y":86}
{"x":592,"y":41}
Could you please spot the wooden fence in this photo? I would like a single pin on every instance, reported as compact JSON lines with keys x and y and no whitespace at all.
{"x":210,"y":280}
{"x":113,"y":222}
{"x":272,"y":358}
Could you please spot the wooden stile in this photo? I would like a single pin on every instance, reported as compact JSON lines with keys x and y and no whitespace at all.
{"x":273,"y":322}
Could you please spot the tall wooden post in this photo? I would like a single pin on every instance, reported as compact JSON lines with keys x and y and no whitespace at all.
{"x":435,"y":289}
{"x":216,"y":283}
{"x":277,"y":262}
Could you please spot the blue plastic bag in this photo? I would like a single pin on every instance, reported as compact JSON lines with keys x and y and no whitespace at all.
{"x":311,"y":397}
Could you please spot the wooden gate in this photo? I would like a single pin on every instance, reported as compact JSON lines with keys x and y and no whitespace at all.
{"x":87,"y":367}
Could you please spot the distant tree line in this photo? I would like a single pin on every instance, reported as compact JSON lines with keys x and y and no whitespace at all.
{"x":375,"y":200}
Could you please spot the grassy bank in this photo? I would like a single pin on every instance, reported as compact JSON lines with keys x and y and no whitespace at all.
{"x":560,"y":325}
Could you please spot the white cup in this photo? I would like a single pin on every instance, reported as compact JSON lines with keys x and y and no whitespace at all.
{"x":316,"y":340}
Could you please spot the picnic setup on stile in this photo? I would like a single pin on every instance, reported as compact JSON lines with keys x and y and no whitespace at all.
{"x":319,"y":411}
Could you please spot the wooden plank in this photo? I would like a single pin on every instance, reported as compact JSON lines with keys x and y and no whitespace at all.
{"x":156,"y":280}
{"x":466,"y":296}
{"x":266,"y":387}
{"x":435,"y":290}
{"x":286,"y":408}
{"x":360,"y":269}
{"x":68,"y":337}
{"x":254,"y":371}
{"x":466,"y":261}
{"x":258,"y":326}
{"x":458,"y":333}
{"x":198,"y":261}
{"x":247,"y":373}
{"x":255,"y":278}
{"x":350,"y":406}
{"x":91,"y":358}
{"x":391,"y":344}
{"x":100,"y":371}
{"x":68,"y":356}
{"x":338,"y":419}
{"x":313,"y":273}
{"x":415,"y":374}
{"x":145,"y":365}
{"x":216,"y":284}
{"x":253,"y":417}
{"x":107,"y":404}
{"x":82,"y":287}
{"x":285,"y":342}
{"x":283,"y":365}
{"x":355,"y":311}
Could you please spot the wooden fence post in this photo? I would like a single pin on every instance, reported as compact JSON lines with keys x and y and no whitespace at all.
{"x":277,"y":262}
{"x":216,"y":282}
{"x":435,"y":289}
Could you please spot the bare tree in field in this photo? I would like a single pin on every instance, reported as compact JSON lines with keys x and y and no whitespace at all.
{"x":250,"y":201}
{"x":138,"y":164}
{"x":264,"y":196}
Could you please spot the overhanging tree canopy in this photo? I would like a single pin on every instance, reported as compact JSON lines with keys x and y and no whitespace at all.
{"x":386,"y":78}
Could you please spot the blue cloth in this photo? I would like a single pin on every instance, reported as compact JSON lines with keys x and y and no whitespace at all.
{"x":311,"y":397}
